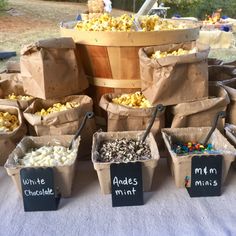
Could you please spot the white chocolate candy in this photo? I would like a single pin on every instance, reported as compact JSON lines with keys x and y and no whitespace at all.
{"x":49,"y":156}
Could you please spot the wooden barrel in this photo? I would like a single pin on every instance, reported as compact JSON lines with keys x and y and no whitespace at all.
{"x":110,"y":59}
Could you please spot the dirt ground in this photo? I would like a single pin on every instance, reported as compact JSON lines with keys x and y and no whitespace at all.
{"x":28,"y":21}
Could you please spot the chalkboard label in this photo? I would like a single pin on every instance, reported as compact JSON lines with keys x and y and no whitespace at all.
{"x":126,"y":184}
{"x":38,"y":189}
{"x":206,"y":176}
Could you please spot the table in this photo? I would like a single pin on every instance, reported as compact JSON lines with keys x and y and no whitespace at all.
{"x":167,"y":210}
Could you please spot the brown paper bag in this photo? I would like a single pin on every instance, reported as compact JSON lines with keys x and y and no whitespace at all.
{"x":64,"y":122}
{"x":49,"y":69}
{"x":9,"y":140}
{"x":214,"y":61}
{"x":13,"y":84}
{"x":124,"y":118}
{"x":230,"y":87}
{"x":230,"y":131}
{"x":174,"y":79}
{"x":63,"y":175}
{"x":201,"y":113}
{"x":221,"y":72}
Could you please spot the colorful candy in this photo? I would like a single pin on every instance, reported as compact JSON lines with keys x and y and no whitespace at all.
{"x":191,"y":148}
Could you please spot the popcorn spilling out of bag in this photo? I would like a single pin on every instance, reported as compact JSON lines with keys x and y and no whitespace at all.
{"x":125,"y":23}
{"x":19,"y":97}
{"x":179,"y":52}
{"x":48,"y":156}
{"x":57,"y":107}
{"x":8,"y":122}
{"x":136,"y":100}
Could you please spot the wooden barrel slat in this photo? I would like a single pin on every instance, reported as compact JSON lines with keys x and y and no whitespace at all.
{"x":114,"y":56}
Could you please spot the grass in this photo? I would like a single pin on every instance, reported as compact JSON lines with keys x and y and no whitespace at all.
{"x":40,"y":20}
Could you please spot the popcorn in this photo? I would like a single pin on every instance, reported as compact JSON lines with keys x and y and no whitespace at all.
{"x":19,"y":97}
{"x":106,"y":23}
{"x":136,"y":100}
{"x":48,"y":156}
{"x":179,"y":52}
{"x":125,"y":23}
{"x":96,"y":6}
{"x":8,"y":122}
{"x":57,"y":107}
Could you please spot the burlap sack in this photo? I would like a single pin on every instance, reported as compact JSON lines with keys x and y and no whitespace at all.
{"x":230,"y":87}
{"x":124,"y":118}
{"x":174,"y":79}
{"x":49,"y":69}
{"x":9,"y":140}
{"x":201,"y":113}
{"x":13,"y":84}
{"x":64,"y":122}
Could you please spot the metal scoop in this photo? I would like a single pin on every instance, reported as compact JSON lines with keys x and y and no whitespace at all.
{"x":159,"y":108}
{"x":221,"y":114}
{"x":88,"y":115}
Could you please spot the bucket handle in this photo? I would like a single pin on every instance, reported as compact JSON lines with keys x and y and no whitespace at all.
{"x":221,"y":114}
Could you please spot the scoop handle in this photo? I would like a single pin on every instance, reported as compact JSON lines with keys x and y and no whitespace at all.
{"x":159,"y":108}
{"x":221,"y":114}
{"x":88,"y":115}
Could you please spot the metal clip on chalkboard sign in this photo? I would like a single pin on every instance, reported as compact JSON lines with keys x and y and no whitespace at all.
{"x":221,"y":114}
{"x":159,"y":109}
{"x":88,"y":115}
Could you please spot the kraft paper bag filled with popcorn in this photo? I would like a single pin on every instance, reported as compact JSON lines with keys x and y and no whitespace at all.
{"x":130,"y":117}
{"x":62,"y":116}
{"x":51,"y":69}
{"x":48,"y":147}
{"x":174,"y":73}
{"x":12,"y":92}
{"x":201,"y":113}
{"x":12,"y":130}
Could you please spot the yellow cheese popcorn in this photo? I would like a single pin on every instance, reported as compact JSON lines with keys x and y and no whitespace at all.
{"x":125,"y":23}
{"x":136,"y":100}
{"x":57,"y":107}
{"x":19,"y":97}
{"x":179,"y":52}
{"x":8,"y":122}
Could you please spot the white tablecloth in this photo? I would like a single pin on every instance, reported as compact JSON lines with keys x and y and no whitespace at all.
{"x":167,"y":210}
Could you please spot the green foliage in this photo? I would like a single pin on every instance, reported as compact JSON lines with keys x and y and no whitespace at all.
{"x":208,"y":7}
{"x":3,"y":4}
{"x":200,"y":8}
